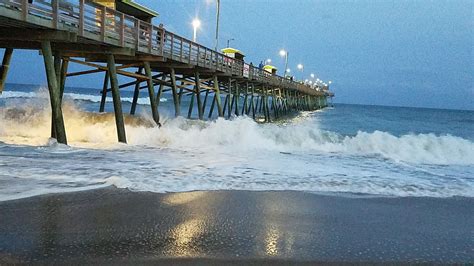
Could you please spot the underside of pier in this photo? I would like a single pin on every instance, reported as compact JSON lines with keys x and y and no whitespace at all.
{"x":109,"y":42}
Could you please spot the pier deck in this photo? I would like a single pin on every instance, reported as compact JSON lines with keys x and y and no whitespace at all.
{"x":108,"y":41}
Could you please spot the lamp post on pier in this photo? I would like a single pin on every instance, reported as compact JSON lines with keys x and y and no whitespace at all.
{"x":196,"y":24}
{"x":228,"y":41}
{"x":284,"y":53}
{"x":218,"y":7}
{"x":300,"y":68}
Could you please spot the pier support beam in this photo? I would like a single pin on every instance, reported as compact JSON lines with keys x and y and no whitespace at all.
{"x":63,"y":76}
{"x":160,"y":91}
{"x":7,"y":56}
{"x":181,"y":91}
{"x":116,"y":99}
{"x":229,"y":96}
{"x":267,"y":103}
{"x":225,"y":103}
{"x":244,"y":106}
{"x":60,"y":66}
{"x":104,"y":92}
{"x":191,"y":103}
{"x":266,"y":108}
{"x":54,"y":93}
{"x":212,"y":107}
{"x":252,"y":104}
{"x":274,"y":104}
{"x":197,"y":88}
{"x":217,"y":95}
{"x":151,"y":93}
{"x":136,"y":94}
{"x":206,"y":95}
{"x":260,"y":107}
{"x":232,"y":100}
{"x":237,"y":98}
{"x":175,"y":93}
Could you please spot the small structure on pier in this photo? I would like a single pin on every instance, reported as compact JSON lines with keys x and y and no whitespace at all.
{"x":131,"y":8}
{"x":270,"y":69}
{"x":233,"y":53}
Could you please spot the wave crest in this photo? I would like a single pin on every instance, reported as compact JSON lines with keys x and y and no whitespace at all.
{"x":73,"y":96}
{"x":244,"y":134}
{"x":30,"y":124}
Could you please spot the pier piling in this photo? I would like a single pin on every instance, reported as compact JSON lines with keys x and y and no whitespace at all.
{"x":54,"y":93}
{"x":151,"y":93}
{"x":7,"y":56}
{"x":237,"y":98}
{"x":191,"y":103}
{"x":175,"y":93}
{"x":252,"y":102}
{"x":63,"y":76}
{"x":136,"y":93}
{"x":197,"y":80}
{"x":217,"y":96}
{"x":60,"y":66}
{"x":160,"y":90}
{"x":104,"y":92}
{"x":229,"y":99}
{"x":116,"y":99}
{"x":206,"y":95}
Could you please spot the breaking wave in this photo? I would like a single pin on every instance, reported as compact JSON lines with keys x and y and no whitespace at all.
{"x":188,"y":155}
{"x":31,"y":125}
{"x":73,"y":96}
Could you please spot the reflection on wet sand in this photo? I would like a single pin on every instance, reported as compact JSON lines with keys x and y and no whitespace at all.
{"x":271,"y":242}
{"x":94,"y":226}
{"x":183,"y":236}
{"x":50,"y":226}
{"x":182,"y":198}
{"x":278,"y":236}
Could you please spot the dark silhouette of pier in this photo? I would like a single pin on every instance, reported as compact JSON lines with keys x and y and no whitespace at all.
{"x":115,"y":43}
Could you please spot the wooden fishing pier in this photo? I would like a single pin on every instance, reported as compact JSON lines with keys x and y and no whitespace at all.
{"x":126,"y":43}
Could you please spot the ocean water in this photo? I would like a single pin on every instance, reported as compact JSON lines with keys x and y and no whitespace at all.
{"x":348,"y":149}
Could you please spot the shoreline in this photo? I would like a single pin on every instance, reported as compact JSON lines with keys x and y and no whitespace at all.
{"x":116,"y":225}
{"x":349,"y":195}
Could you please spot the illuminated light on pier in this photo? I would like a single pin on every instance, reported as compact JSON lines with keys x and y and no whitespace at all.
{"x":196,"y":25}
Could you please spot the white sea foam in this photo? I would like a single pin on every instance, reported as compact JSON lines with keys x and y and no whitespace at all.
{"x":186,"y":155}
{"x":73,"y":96}
{"x":118,"y":182}
{"x":31,"y":126}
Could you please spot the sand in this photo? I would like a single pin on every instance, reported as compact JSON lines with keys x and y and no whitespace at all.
{"x":213,"y":227}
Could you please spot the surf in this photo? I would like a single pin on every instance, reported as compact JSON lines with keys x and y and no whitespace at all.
{"x":30,"y":124}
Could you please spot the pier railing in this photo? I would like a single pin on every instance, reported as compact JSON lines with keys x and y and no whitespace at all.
{"x":106,"y":25}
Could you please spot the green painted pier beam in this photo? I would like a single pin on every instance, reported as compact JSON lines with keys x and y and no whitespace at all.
{"x":54,"y":93}
{"x":7,"y":56}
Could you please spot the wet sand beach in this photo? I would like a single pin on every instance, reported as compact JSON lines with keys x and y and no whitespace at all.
{"x":118,"y":226}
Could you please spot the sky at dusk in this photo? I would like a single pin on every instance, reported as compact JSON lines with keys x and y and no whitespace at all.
{"x":402,"y":53}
